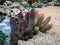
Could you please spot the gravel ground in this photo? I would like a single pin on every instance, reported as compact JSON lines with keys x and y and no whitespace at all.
{"x":52,"y":37}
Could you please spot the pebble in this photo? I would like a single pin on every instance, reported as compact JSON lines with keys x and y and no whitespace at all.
{"x":7,"y":41}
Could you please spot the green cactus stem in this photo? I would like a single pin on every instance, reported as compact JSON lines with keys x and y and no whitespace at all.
{"x":13,"y":37}
{"x":26,"y":18}
{"x":18,"y":34}
{"x":44,"y":23}
{"x":13,"y":23}
{"x":47,"y":20}
{"x":36,"y":18}
{"x":31,"y":19}
{"x":40,"y":20}
{"x":20,"y":18}
{"x":46,"y":28}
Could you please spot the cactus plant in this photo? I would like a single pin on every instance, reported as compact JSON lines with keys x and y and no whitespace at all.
{"x":47,"y":20}
{"x":26,"y":28}
{"x":45,"y":28}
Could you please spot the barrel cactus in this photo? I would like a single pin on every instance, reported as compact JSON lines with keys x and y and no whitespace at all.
{"x":25,"y":27}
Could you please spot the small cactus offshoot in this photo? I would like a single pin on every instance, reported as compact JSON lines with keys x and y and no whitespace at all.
{"x":25,"y":29}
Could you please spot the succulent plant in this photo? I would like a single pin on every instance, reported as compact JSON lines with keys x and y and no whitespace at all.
{"x":2,"y":38}
{"x":25,"y":29}
{"x":25,"y":4}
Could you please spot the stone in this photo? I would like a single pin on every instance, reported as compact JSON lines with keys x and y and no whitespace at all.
{"x":7,"y":30}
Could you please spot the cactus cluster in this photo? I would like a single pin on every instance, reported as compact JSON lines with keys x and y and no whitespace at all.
{"x":25,"y":27}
